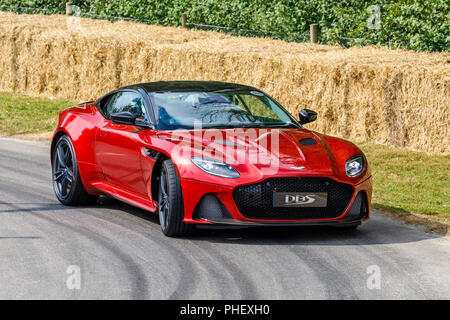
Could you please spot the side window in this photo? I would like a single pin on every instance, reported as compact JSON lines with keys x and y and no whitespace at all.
{"x":126,"y":101}
{"x":102,"y":105}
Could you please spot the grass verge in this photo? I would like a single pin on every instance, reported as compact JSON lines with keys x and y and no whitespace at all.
{"x":412,"y":186}
{"x":21,"y":114}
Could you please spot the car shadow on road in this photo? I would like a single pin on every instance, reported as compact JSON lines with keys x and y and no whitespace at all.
{"x":379,"y":230}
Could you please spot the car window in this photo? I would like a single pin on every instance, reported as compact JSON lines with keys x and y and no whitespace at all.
{"x":126,"y":101}
{"x":235,"y":99}
{"x":257,"y":107}
{"x":186,"y":109}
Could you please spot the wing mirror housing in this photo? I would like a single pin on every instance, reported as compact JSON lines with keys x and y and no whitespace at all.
{"x":123,"y":118}
{"x":307,"y":116}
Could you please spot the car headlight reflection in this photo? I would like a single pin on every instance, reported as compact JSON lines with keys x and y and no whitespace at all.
{"x":354,"y":166}
{"x":215,"y":167}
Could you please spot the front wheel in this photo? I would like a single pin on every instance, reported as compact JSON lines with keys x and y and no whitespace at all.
{"x":170,"y":202}
{"x":66,"y":178}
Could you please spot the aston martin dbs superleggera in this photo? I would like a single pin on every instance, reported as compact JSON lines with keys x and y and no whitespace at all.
{"x":211,"y":154}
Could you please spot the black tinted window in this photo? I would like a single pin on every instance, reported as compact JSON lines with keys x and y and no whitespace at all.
{"x":126,"y":101}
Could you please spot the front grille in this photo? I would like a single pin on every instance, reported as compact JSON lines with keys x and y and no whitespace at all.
{"x":255,"y":201}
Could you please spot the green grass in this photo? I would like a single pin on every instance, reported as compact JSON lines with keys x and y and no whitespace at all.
{"x":20,"y":114}
{"x":407,"y":181}
{"x":403,"y":181}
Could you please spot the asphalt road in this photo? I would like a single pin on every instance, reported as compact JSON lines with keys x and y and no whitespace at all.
{"x":121,"y":253}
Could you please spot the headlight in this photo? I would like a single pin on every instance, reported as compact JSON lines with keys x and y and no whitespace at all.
{"x":354,"y":166}
{"x":215,"y":167}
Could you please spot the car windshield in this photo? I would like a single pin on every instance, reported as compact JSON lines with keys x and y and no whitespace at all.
{"x":218,"y":109}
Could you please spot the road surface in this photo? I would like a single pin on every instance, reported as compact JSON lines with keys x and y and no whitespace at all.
{"x":115,"y":251}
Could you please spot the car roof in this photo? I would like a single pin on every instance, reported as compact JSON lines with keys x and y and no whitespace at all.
{"x":188,"y":86}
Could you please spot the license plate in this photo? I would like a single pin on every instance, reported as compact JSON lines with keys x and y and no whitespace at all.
{"x":300,"y":199}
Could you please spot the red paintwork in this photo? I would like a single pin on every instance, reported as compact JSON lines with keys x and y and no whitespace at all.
{"x":111,"y":160}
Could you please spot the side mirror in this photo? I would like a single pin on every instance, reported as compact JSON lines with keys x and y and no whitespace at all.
{"x":123,"y":118}
{"x":306,"y":116}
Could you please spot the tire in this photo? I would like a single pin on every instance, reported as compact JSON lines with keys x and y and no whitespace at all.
{"x":170,"y":202}
{"x":67,"y":185}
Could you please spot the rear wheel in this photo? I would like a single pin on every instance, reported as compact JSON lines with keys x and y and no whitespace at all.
{"x":170,"y":202}
{"x":66,"y":178}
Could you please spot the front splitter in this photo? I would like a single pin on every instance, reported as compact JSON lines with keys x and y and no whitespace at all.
{"x":233,"y":223}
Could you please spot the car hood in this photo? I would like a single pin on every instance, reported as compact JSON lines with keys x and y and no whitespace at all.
{"x":261,"y":153}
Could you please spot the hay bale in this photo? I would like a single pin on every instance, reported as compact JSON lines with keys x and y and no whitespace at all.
{"x":387,"y":96}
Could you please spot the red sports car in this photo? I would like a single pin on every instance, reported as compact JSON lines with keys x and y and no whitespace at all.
{"x":211,"y":154}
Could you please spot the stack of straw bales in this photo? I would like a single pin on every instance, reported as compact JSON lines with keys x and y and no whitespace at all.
{"x":390,"y":97}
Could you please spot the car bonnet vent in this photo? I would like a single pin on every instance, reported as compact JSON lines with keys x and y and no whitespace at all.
{"x":308,"y":142}
{"x":151,"y":153}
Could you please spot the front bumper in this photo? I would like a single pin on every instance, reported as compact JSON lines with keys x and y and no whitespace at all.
{"x":223,"y":211}
{"x":233,"y":223}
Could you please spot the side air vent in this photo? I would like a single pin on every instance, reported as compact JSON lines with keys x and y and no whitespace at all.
{"x":151,"y":153}
{"x":308,"y":142}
